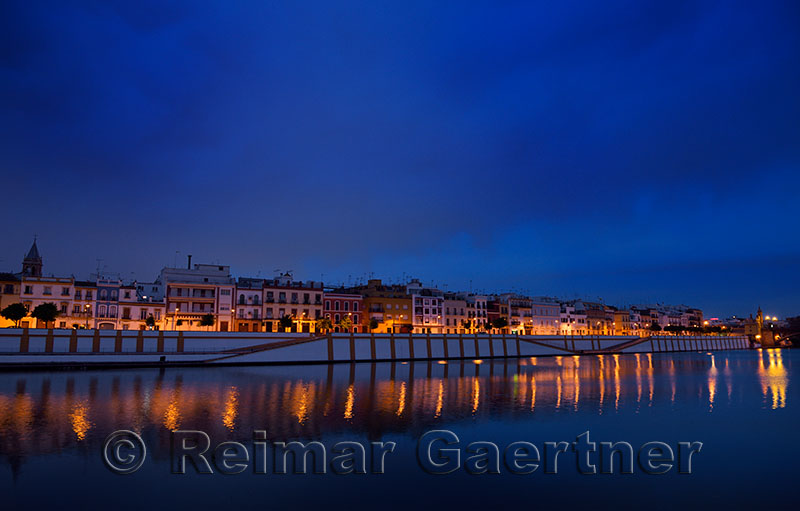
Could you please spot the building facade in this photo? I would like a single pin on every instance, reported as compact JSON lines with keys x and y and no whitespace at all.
{"x":338,"y":305}
{"x":545,"y":316}
{"x":192,"y":293}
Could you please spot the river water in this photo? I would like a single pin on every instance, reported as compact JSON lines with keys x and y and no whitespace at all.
{"x":740,"y":405}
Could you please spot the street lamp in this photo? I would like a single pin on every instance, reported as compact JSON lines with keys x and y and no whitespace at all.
{"x":86,"y":311}
{"x":175,"y":320}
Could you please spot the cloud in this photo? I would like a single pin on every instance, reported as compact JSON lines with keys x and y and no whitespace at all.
{"x":359,"y":135}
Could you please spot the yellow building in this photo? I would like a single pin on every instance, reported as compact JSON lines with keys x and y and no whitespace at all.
{"x":622,"y":323}
{"x":388,"y":305}
{"x":9,"y":293}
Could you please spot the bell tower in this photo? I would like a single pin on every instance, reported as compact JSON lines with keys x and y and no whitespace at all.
{"x":32,"y":264}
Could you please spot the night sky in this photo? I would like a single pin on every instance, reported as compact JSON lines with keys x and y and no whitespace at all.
{"x":622,"y":150}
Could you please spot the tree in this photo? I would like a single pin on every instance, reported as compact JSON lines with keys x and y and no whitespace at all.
{"x":346,"y":323}
{"x":286,"y":321}
{"x":674,"y":329}
{"x":323,"y":324}
{"x":655,"y":327}
{"x":14,"y":312}
{"x":150,"y":322}
{"x":465,"y":324}
{"x":46,"y":312}
{"x":207,"y":320}
{"x":500,"y":323}
{"x":487,"y":326}
{"x":373,"y":323}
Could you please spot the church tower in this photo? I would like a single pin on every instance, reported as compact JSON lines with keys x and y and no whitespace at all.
{"x":32,"y":264}
{"x":760,"y":319}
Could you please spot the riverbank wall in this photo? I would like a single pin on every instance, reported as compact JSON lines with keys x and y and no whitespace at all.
{"x":87,"y":348}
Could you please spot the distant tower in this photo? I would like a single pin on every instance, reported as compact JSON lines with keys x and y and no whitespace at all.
{"x":760,"y":319}
{"x":32,"y":264}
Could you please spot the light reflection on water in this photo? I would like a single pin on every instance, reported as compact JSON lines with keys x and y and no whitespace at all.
{"x":47,"y":414}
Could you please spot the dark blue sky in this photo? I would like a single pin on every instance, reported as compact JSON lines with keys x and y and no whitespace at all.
{"x":625,"y":150}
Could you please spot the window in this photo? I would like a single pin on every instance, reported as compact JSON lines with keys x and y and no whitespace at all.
{"x":64,"y":291}
{"x":346,"y":305}
{"x":28,"y":290}
{"x":336,"y":318}
{"x":63,"y":308}
{"x":112,"y":311}
{"x":355,"y":318}
{"x":128,"y":295}
{"x":113,"y":295}
{"x":76,"y":309}
{"x":327,"y":305}
{"x":126,"y":313}
{"x":48,"y":290}
{"x":77,"y":294}
{"x":101,"y":311}
{"x":355,"y":306}
{"x":104,"y":294}
{"x":88,"y":295}
{"x":336,"y":305}
{"x":142,"y":313}
{"x":222,"y":292}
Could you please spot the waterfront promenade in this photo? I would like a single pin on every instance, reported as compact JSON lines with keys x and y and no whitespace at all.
{"x":79,"y":348}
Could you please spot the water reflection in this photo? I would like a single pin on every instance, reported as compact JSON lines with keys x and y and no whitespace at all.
{"x":774,"y":378}
{"x":49,"y":412}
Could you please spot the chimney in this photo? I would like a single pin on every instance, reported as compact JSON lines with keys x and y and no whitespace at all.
{"x":189,"y":265}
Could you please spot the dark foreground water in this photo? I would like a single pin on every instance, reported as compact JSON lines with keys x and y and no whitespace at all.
{"x":742,"y":406}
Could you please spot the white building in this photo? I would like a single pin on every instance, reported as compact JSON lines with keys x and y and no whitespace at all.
{"x":545,"y":316}
{"x":428,"y":304}
{"x":192,"y":293}
{"x":573,"y":322}
{"x":476,"y":310}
